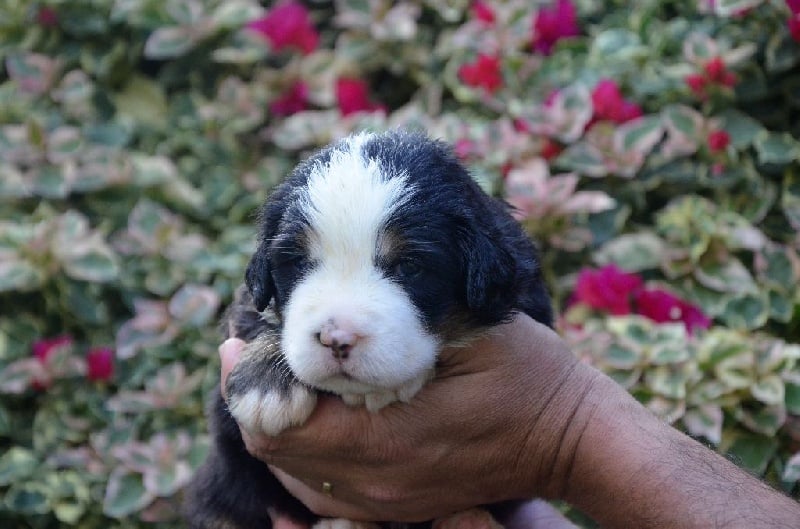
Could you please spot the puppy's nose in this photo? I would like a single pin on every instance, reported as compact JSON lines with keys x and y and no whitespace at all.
{"x":338,"y":339}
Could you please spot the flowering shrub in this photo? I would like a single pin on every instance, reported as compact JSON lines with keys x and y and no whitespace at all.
{"x":651,"y":148}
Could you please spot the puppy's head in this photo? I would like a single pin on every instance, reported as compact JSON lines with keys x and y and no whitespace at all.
{"x":376,"y":251}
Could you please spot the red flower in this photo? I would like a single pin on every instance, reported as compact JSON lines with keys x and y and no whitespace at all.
{"x":550,"y":149}
{"x":697,"y":84}
{"x":294,"y":100}
{"x":609,"y":104}
{"x":662,"y":306}
{"x":553,"y":24}
{"x":794,"y":27}
{"x":607,"y":288}
{"x":718,"y":140}
{"x":100,"y":364}
{"x":482,"y":11}
{"x":352,"y":95}
{"x":715,"y":73}
{"x":287,"y":24}
{"x":43,"y":349}
{"x":794,"y":6}
{"x":484,"y":72}
{"x":47,"y":17}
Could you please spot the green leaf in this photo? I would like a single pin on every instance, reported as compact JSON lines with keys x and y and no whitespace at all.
{"x":169,"y":42}
{"x":742,"y":128}
{"x":734,"y":7}
{"x":753,"y":452}
{"x":747,"y":312}
{"x":790,"y":198}
{"x":125,"y":494}
{"x":194,"y":304}
{"x":705,"y":421}
{"x":792,"y":396}
{"x":669,"y":353}
{"x":731,"y":276}
{"x":634,"y":252}
{"x":96,"y":262}
{"x":640,"y":135}
{"x":782,"y":52}
{"x":28,"y":498}
{"x":791,"y":472}
{"x":774,"y":148}
{"x":19,"y":275}
{"x":667,"y":382}
{"x":144,"y":101}
{"x":16,"y":465}
{"x":620,"y":357}
{"x":769,"y":390}
{"x":582,"y":158}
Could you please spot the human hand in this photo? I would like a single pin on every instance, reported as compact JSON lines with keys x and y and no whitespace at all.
{"x":495,"y":424}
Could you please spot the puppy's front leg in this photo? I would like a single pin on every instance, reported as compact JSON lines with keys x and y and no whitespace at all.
{"x":262,"y":392}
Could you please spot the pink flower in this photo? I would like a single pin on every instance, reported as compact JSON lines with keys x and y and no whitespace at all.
{"x":550,"y":149}
{"x":43,"y":349}
{"x":718,"y":140}
{"x":352,"y":95}
{"x":100,"y":364}
{"x":294,"y":100}
{"x":481,"y":11}
{"x":662,"y":307}
{"x":608,"y":289}
{"x":484,"y":72}
{"x":609,"y":105}
{"x":553,"y":24}
{"x":794,"y":6}
{"x":285,"y":25}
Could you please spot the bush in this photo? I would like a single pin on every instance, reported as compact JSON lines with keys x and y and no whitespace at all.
{"x":650,"y":147}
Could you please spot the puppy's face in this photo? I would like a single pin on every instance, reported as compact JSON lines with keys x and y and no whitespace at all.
{"x":369,"y":263}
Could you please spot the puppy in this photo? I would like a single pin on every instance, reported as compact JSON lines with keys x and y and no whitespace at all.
{"x":374,"y":253}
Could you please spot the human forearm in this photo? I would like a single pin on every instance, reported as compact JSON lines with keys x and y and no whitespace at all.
{"x":632,"y":470}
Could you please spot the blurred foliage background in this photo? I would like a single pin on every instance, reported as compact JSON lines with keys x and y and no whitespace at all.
{"x":651,"y":148}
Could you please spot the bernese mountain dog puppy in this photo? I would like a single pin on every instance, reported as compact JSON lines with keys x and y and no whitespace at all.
{"x":374,"y":253}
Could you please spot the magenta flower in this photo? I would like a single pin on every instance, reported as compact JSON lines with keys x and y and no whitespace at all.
{"x":47,"y":17}
{"x":607,"y":289}
{"x":287,"y":25}
{"x":662,"y":307}
{"x":483,"y":72}
{"x":294,"y":100}
{"x":43,"y":349}
{"x":483,"y":12}
{"x":100,"y":364}
{"x":609,"y":105}
{"x":352,"y":95}
{"x":794,"y":26}
{"x":794,"y":6}
{"x":553,"y":24}
{"x":718,"y":140}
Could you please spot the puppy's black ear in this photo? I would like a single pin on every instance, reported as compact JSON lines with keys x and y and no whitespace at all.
{"x":490,"y":278}
{"x":258,"y":279}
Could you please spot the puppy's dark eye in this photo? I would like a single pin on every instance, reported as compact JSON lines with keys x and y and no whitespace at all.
{"x":407,"y":269}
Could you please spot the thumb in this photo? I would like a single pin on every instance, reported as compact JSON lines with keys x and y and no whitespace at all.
{"x":229,"y":352}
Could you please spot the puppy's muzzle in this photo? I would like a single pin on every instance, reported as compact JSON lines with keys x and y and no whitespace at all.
{"x":339,"y":338}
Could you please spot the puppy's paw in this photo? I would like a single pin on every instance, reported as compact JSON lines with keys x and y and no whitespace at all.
{"x":274,"y":411}
{"x":341,"y":523}
{"x":469,"y":519}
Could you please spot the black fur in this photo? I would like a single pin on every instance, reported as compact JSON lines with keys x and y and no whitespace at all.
{"x":461,"y":257}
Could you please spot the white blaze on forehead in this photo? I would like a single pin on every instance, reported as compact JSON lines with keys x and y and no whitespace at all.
{"x":348,"y":202}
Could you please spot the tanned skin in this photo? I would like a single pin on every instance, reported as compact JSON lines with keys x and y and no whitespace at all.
{"x":515,"y":415}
